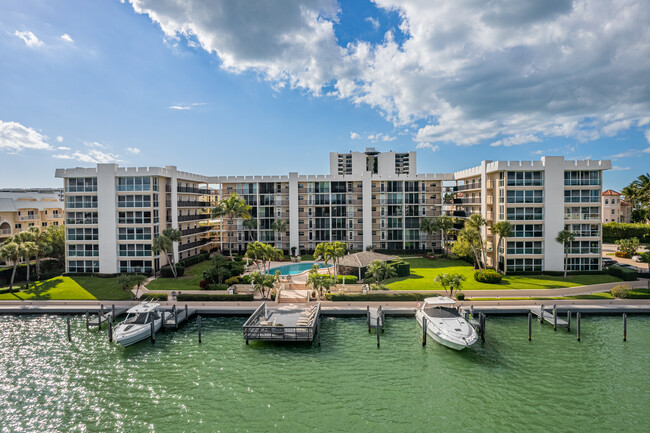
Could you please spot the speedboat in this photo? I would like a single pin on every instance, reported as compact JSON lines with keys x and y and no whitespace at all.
{"x":137,"y":325}
{"x":445,"y":324}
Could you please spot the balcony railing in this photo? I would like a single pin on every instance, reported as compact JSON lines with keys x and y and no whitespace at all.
{"x":581,"y":182}
{"x":586,"y":233}
{"x":182,"y":218}
{"x":195,"y":230}
{"x":525,"y":251}
{"x":190,"y":203}
{"x":192,"y":245}
{"x":585,"y":250}
{"x":465,"y":187}
{"x":192,"y":190}
{"x":29,"y":217}
{"x":134,"y":253}
{"x":5,"y":232}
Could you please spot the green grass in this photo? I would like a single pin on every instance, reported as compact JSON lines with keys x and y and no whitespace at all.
{"x":423,"y":271}
{"x":307,"y":258}
{"x":71,"y":288}
{"x":634,"y":294}
{"x":189,"y":281}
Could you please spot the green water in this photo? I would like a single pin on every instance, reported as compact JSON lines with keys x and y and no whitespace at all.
{"x":347,"y":385}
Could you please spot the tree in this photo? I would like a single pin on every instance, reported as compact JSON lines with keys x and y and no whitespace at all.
{"x":56,"y":240}
{"x":337,"y":250}
{"x":645,"y":258}
{"x":165,"y":243}
{"x":138,"y":280}
{"x":565,"y":237}
{"x":29,"y":250}
{"x":250,"y":224}
{"x":380,"y":271}
{"x":470,"y":239}
{"x":638,"y":194}
{"x":477,"y":222}
{"x":254,"y":251}
{"x":125,"y":282}
{"x":628,"y":246}
{"x":320,"y":282}
{"x":502,"y":229}
{"x":450,"y":282}
{"x":324,"y":251}
{"x":429,"y":226}
{"x":43,"y":246}
{"x":444,"y":223}
{"x":231,"y":207}
{"x":262,"y":282}
{"x":11,"y":251}
{"x":279,"y":226}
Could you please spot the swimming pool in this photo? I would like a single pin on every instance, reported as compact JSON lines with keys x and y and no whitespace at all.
{"x":294,"y":268}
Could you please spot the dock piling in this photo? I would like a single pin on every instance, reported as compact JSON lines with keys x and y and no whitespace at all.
{"x":113,"y":311}
{"x":368,"y":317}
{"x":153,"y":333}
{"x":100,"y":317}
{"x":318,"y":330}
{"x":67,"y":319}
{"x":424,"y":331}
{"x":482,"y":327}
{"x":554,"y":317}
{"x":87,"y":320}
{"x":568,"y":321}
{"x":187,"y":315}
{"x":175,"y":312}
{"x":624,"y":327}
{"x":578,"y":325}
{"x":541,"y":314}
{"x":199,"y":327}
{"x":530,"y":327}
{"x":378,"y":331}
{"x":110,"y":330}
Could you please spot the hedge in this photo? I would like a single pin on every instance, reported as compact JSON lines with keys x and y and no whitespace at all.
{"x":376,"y":296}
{"x":194,"y":259}
{"x":349,"y":279}
{"x":166,"y":271}
{"x":218,"y":287}
{"x":488,"y":276}
{"x":153,"y":297}
{"x":402,"y":269}
{"x":615,"y":231}
{"x":211,"y":297}
{"x":623,"y":273}
{"x":49,"y":268}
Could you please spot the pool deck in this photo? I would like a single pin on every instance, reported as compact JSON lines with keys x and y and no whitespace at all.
{"x":614,"y":306}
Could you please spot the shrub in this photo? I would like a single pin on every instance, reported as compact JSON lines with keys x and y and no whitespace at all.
{"x":153,"y":296}
{"x":375,"y":296}
{"x":460,"y":296}
{"x":217,"y":287}
{"x":621,"y":254}
{"x":193,"y":260}
{"x":489,"y":276}
{"x":232,"y":280}
{"x":349,"y":279}
{"x":628,"y":246}
{"x":621,"y":291}
{"x":402,"y":269}
{"x":615,"y":231}
{"x":624,"y":274}
{"x":204,"y":284}
{"x":213,"y":297}
{"x":246,"y":279}
{"x":166,"y":271}
{"x":8,"y":290}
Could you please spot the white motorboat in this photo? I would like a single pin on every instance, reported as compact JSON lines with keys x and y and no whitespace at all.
{"x":137,"y":325}
{"x":445,"y":324}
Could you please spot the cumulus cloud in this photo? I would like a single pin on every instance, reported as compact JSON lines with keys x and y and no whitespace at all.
{"x":432,"y":147}
{"x":63,"y":148}
{"x":15,"y":137}
{"x":59,"y":139}
{"x":473,"y":72}
{"x":94,"y":144}
{"x":380,"y":136}
{"x":619,"y":168}
{"x":92,"y":156}
{"x":29,"y":38}
{"x":374,"y":22}
{"x":354,"y":136}
{"x":133,"y":150}
{"x":66,"y":37}
{"x":647,"y":135}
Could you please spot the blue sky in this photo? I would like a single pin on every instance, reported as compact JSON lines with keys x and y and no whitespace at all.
{"x":259,"y":87}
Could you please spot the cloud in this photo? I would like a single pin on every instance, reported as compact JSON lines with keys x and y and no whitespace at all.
{"x":647,"y":135}
{"x":374,"y":22}
{"x":93,"y":156}
{"x":380,"y":136}
{"x":630,"y":153}
{"x":433,"y":147}
{"x":618,"y":168}
{"x":133,"y":150}
{"x":63,"y":148}
{"x":59,"y":139}
{"x":66,"y":37}
{"x":94,"y":144}
{"x":471,"y":72}
{"x":187,"y":106}
{"x":15,"y":137}
{"x":354,"y":136}
{"x":29,"y":38}
{"x":516,"y":140}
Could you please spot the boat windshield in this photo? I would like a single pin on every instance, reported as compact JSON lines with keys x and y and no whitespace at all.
{"x":441,"y":312}
{"x":140,"y":319}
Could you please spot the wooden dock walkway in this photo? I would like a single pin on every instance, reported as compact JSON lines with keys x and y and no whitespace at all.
{"x":103,"y":315}
{"x":375,"y":318}
{"x":176,"y":316}
{"x":550,"y":316}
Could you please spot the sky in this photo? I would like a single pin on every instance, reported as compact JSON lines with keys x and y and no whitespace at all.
{"x":268,"y":87}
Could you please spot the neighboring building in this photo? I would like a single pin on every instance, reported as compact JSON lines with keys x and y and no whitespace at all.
{"x":369,"y":199}
{"x":615,"y":209}
{"x":114,"y":213}
{"x":22,"y":208}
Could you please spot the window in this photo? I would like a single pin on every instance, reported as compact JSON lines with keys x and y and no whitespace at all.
{"x":81,"y":202}
{"x":43,"y":224}
{"x":528,"y":196}
{"x":134,"y":183}
{"x":523,"y":265}
{"x":134,"y":217}
{"x":581,"y":196}
{"x":83,"y":234}
{"x":81,"y":184}
{"x":134,"y":233}
{"x":581,"y":178}
{"x":581,"y":213}
{"x":525,"y":213}
{"x":80,"y":250}
{"x":73,"y":218}
{"x":525,"y":247}
{"x":606,"y":201}
{"x":525,"y":178}
{"x":134,"y":201}
{"x":134,"y":250}
{"x":81,"y":266}
{"x":583,"y":263}
{"x":18,"y":226}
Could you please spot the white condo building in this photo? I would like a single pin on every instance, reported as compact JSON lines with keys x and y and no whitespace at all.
{"x":369,"y":198}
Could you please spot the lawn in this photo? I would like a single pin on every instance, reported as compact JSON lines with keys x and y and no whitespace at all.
{"x":423,"y":271}
{"x":189,"y":281}
{"x":634,"y":294}
{"x":71,"y":288}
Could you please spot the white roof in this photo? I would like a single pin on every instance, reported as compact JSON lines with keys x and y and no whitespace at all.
{"x":7,"y":205}
{"x":143,"y":307}
{"x":440,"y":300}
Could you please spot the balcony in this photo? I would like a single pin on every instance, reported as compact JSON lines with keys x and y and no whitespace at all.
{"x":585,"y":250}
{"x":192,"y":190}
{"x":193,"y":231}
{"x":29,"y":217}
{"x":192,"y":245}
{"x":190,"y":203}
{"x":54,"y":216}
{"x":134,"y":253}
{"x":466,"y":187}
{"x":182,"y":218}
{"x":5,"y":232}
{"x":525,"y":251}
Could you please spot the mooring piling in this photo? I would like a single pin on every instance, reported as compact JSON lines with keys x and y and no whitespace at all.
{"x":378,"y":331}
{"x":624,"y":327}
{"x":368,"y":317}
{"x":578,"y":325}
{"x":541,"y":314}
{"x":318,"y":330}
{"x":424,"y":331}
{"x":568,"y":321}
{"x":554,"y":317}
{"x":110,"y":330}
{"x":113,"y":311}
{"x":100,"y":317}
{"x":153,"y":333}
{"x":87,"y":320}
{"x":187,"y":315}
{"x":67,"y":319}
{"x":482,"y":316}
{"x":530,"y":327}
{"x":199,"y":327}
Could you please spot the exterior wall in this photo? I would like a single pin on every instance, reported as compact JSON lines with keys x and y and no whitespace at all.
{"x":20,"y":209}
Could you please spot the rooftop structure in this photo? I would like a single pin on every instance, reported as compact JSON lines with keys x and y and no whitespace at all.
{"x":23,"y":208}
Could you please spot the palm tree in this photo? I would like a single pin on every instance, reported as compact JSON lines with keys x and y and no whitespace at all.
{"x":29,"y":250}
{"x":42,"y":241}
{"x":444,"y":223}
{"x":254,"y":251}
{"x":165,"y":243}
{"x":138,"y":280}
{"x":232,"y":207}
{"x":638,"y":193}
{"x":380,"y":271}
{"x":472,"y":238}
{"x":450,"y":282}
{"x":11,"y":251}
{"x":125,"y":282}
{"x":645,"y":258}
{"x":429,"y":226}
{"x":324,"y":251}
{"x":279,"y":226}
{"x":502,"y":229}
{"x":565,"y":237}
{"x":250,"y":224}
{"x":476,"y":222}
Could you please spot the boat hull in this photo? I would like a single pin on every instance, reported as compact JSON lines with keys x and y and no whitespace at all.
{"x":143,"y":332}
{"x":434,"y":332}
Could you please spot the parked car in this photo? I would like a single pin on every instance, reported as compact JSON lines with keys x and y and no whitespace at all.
{"x":625,"y":265}
{"x":607,"y":262}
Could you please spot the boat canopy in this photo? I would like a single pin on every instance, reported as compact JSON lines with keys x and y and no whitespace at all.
{"x":143,"y":307}
{"x":439,"y":300}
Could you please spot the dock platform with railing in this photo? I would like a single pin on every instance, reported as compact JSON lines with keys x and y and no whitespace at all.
{"x":283,"y":324}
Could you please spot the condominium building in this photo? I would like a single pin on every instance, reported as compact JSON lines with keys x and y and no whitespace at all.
{"x":369,"y":199}
{"x":112,"y":215}
{"x":615,"y":209}
{"x":23,"y":208}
